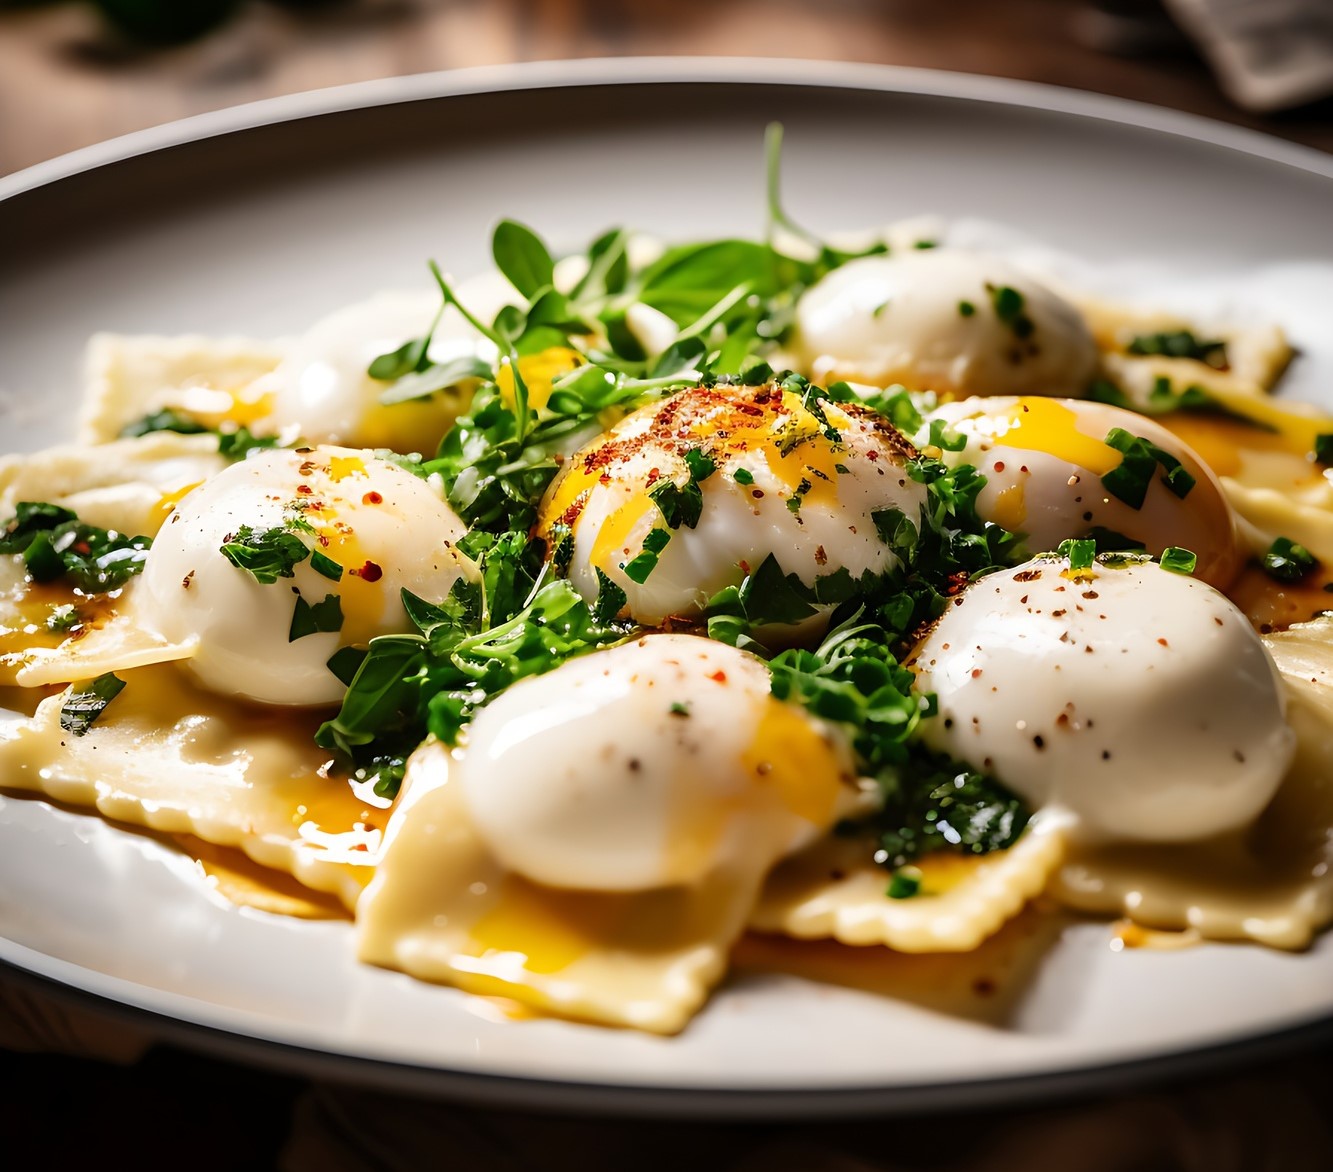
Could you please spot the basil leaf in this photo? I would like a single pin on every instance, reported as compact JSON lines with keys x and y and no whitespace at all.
{"x":522,"y":257}
{"x":421,"y":384}
{"x":266,"y":555}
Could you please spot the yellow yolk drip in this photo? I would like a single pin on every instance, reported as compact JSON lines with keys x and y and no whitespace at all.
{"x":540,"y":372}
{"x":1221,"y":443}
{"x":549,"y":929}
{"x":1010,"y":510}
{"x":415,"y":425}
{"x":341,"y":467}
{"x":214,"y":406}
{"x":1044,"y":425}
{"x":167,"y":505}
{"x":789,"y":754}
{"x":612,"y":547}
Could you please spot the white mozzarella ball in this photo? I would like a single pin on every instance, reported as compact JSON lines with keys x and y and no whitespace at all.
{"x":322,"y":389}
{"x":384,"y":528}
{"x":946,"y":320}
{"x":1136,"y":699}
{"x":785,"y":485}
{"x":648,"y":765}
{"x":1044,"y":460}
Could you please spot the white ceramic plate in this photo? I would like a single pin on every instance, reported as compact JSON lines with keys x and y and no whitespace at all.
{"x":259,"y":220}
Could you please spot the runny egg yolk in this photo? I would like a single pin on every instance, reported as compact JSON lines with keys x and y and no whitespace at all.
{"x":357,"y":531}
{"x":769,"y":476}
{"x":1053,"y":473}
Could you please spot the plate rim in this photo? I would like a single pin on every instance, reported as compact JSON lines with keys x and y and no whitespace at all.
{"x":651,"y":70}
{"x":1057,"y":1084}
{"x":70,"y":981}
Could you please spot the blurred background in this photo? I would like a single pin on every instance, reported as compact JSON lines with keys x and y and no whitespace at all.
{"x":74,"y":72}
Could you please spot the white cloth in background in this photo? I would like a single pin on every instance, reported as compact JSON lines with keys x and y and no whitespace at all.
{"x":1268,"y":54}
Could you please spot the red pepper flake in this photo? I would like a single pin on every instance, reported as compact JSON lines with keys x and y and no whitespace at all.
{"x":304,"y":489}
{"x":372,"y":498}
{"x":370,"y":572}
{"x":720,"y":676}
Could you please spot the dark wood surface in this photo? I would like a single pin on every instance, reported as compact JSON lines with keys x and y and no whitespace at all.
{"x":66,"y":81}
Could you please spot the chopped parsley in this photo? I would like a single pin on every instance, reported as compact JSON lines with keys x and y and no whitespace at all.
{"x":682,"y":504}
{"x":929,"y":801}
{"x":56,"y":546}
{"x":265,"y":554}
{"x":639,"y":568}
{"x":1287,"y":561}
{"x":1008,"y":304}
{"x":168,"y":419}
{"x":1180,"y":344}
{"x":317,"y":618}
{"x":1323,"y":448}
{"x":1177,"y":560}
{"x":610,"y":600}
{"x":905,"y":883}
{"x":1081,"y":553}
{"x":966,"y":309}
{"x":87,"y":701}
{"x":1128,"y":481}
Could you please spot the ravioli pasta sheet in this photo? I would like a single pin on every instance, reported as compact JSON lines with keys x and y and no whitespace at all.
{"x":167,"y":756}
{"x":128,"y":377}
{"x":834,"y":890}
{"x":442,"y":908}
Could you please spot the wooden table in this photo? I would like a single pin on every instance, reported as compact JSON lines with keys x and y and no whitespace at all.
{"x":66,"y":82}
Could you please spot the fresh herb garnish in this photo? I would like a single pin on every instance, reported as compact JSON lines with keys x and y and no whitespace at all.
{"x":1008,"y":304}
{"x":1288,"y":561}
{"x":265,"y":554}
{"x":1129,"y":480}
{"x":55,"y":544}
{"x":168,"y":419}
{"x":1180,"y":344}
{"x":1081,"y":552}
{"x":905,"y":883}
{"x":1323,"y":448}
{"x":237,"y":443}
{"x":639,"y":568}
{"x":313,"y":619}
{"x":87,"y":701}
{"x":1177,"y":560}
{"x":929,"y":802}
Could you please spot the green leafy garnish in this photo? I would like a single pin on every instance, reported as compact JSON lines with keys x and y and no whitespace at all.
{"x":929,"y":802}
{"x":265,"y":554}
{"x":1008,"y":304}
{"x":308,"y":619}
{"x":1288,"y":561}
{"x":1177,"y":560}
{"x":1129,"y":480}
{"x":237,"y":443}
{"x":168,"y":419}
{"x":639,"y":568}
{"x":522,"y":257}
{"x":1180,"y":344}
{"x":1080,"y":552}
{"x":87,"y":701}
{"x":55,"y":545}
{"x":905,"y":883}
{"x":1323,"y":448}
